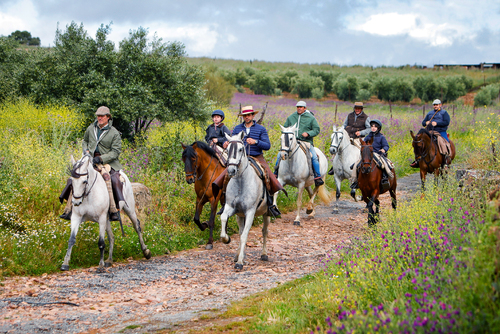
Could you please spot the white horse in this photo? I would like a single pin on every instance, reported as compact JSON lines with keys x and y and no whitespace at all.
{"x":245,"y":197}
{"x":91,"y":203}
{"x":294,"y":170}
{"x":346,"y":155}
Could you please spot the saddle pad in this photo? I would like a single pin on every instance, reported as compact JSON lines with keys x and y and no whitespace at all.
{"x":384,"y":164}
{"x":305,"y":146}
{"x":220,"y":153}
{"x":443,"y":145}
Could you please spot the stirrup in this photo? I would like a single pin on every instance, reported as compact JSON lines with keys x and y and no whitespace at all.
{"x":221,"y":210}
{"x":66,"y":215}
{"x":352,"y":166}
{"x":114,"y":216}
{"x":318,"y":182}
{"x":273,"y":210}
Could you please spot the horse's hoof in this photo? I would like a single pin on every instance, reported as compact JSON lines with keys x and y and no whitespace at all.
{"x":308,"y":211}
{"x":238,"y":266}
{"x":296,"y":223}
{"x":209,"y":247}
{"x":100,"y":270}
{"x":147,"y":254}
{"x":228,"y":240}
{"x":108,"y":264}
{"x":65,"y":267}
{"x":335,"y":211}
{"x":204,"y":225}
{"x":264,"y":258}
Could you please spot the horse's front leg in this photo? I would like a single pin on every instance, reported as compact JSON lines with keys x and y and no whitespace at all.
{"x":197,"y":213}
{"x":249,"y":215}
{"x":371,"y":212}
{"x":211,"y":223}
{"x":265,"y":225}
{"x":241,"y":225}
{"x":394,"y":201}
{"x":103,"y":221}
{"x":111,"y":240}
{"x":75,"y":224}
{"x":310,"y":205}
{"x":130,"y":211}
{"x":299,"y":204}
{"x":228,"y":212}
{"x":423,"y":175}
{"x":337,"y":194}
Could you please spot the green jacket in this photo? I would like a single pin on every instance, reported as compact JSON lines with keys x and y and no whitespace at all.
{"x":306,"y":123}
{"x":110,"y":144}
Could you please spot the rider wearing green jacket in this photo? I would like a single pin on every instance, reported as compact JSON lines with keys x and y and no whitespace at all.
{"x":308,"y":128}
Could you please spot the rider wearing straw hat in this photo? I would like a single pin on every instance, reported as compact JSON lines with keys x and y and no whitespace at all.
{"x":256,"y":141}
{"x":104,"y":143}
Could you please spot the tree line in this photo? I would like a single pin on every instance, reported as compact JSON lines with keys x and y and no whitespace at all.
{"x":142,"y":80}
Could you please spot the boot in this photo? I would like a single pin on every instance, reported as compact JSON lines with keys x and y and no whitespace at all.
{"x":271,"y":208}
{"x":352,"y":166}
{"x":354,"y":185}
{"x":114,"y":213}
{"x":414,"y":164}
{"x":223,"y":203}
{"x":67,"y":209}
{"x":276,"y":171}
{"x":318,"y":181}
{"x":331,"y":172}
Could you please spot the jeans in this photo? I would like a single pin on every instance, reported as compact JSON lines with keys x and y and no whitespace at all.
{"x":315,"y":161}
{"x":445,"y":136}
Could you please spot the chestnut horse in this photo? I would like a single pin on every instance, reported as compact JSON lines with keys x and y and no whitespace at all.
{"x":369,"y":182}
{"x":202,"y":168}
{"x":427,"y":154}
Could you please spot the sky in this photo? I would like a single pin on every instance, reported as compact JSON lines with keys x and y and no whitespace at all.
{"x":341,"y":32}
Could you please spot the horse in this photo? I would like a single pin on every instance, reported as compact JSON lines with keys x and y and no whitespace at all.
{"x":91,"y":203}
{"x":202,"y":167}
{"x":245,"y":197}
{"x":369,"y":177}
{"x":294,"y":170}
{"x":427,"y":153}
{"x":346,"y":155}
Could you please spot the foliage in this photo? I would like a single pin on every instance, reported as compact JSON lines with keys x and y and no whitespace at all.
{"x":285,"y":80}
{"x":262,"y":83}
{"x":304,"y":86}
{"x":486,"y":95}
{"x":363,"y":95}
{"x":346,"y":88}
{"x":24,"y":37}
{"x":327,"y":77}
{"x":218,"y":89}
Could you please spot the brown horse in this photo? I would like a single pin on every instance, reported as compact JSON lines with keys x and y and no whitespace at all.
{"x":427,"y":154}
{"x":369,"y":182}
{"x":202,"y":168}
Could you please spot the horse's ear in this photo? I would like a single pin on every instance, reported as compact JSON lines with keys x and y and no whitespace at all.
{"x":282,"y":128}
{"x":412,"y":135}
{"x":334,"y":128}
{"x":228,"y":137}
{"x":369,"y":142}
{"x":183,"y":146}
{"x":241,"y":135}
{"x":72,"y":160}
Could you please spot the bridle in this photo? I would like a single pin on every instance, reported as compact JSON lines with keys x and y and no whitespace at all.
{"x":424,"y":152}
{"x":287,"y":144}
{"x":76,"y":175}
{"x":232,"y":152}
{"x":336,"y":134}
{"x":193,"y":172}
{"x":370,"y":163}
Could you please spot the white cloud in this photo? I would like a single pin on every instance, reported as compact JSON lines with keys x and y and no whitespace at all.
{"x":10,"y":20}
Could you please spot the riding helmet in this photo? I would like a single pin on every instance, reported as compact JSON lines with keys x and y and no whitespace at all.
{"x":377,"y":122}
{"x":218,"y":112}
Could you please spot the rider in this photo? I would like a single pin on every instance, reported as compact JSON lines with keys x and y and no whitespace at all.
{"x":308,"y":128}
{"x":104,"y":143}
{"x":257,"y":140}
{"x":215,"y":132}
{"x":357,"y":125}
{"x":380,"y":147}
{"x":439,"y":119}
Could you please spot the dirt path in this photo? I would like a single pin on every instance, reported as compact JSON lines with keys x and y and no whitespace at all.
{"x":146,"y":296}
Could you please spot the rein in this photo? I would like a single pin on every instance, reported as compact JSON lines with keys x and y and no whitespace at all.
{"x":77,"y":175}
{"x":337,"y":147}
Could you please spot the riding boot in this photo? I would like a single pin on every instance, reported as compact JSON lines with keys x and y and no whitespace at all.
{"x":331,"y":172}
{"x":272,"y":209}
{"x":276,"y":171}
{"x":67,"y":209}
{"x":114,"y":213}
{"x":222,"y":203}
{"x":318,"y":181}
{"x":219,"y":183}
{"x":447,"y":159}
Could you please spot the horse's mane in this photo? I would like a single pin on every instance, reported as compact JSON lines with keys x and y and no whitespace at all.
{"x":424,"y":130}
{"x":190,"y":153}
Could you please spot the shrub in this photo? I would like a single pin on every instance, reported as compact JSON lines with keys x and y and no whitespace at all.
{"x":486,"y":95}
{"x":401,"y":90}
{"x":363,"y":95}
{"x":277,"y":92}
{"x":218,"y":89}
{"x":285,"y":80}
{"x":346,"y":88}
{"x":455,"y":87}
{"x":305,"y":84}
{"x":317,"y":93}
{"x":327,"y":78}
{"x":262,"y":83}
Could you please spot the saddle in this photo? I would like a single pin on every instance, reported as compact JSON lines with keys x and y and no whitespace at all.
{"x":220,"y":153}
{"x":443,"y":145}
{"x":384,"y":163}
{"x":261,"y":172}
{"x":305,"y":146}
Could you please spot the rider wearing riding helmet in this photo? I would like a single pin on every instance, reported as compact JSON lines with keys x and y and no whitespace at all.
{"x":380,"y":147}
{"x":215,"y":133}
{"x":438,"y":120}
{"x":104,"y":143}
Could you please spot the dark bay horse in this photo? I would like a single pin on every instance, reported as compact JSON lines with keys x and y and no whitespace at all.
{"x":427,"y":154}
{"x":369,"y":182}
{"x":202,"y":168}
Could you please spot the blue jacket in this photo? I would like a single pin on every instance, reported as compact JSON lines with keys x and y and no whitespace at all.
{"x":379,"y":142}
{"x":257,"y":132}
{"x":442,"y":119}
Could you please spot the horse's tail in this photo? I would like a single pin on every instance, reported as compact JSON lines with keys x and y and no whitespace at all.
{"x":324,"y":194}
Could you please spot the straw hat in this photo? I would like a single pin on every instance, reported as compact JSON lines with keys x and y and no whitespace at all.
{"x":247,"y":110}
{"x":358,"y":105}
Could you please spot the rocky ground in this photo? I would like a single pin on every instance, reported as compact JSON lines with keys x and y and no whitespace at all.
{"x":168,"y":292}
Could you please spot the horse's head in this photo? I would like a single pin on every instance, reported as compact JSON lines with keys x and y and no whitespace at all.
{"x":288,"y":140}
{"x":337,"y":137}
{"x":80,"y":178}
{"x":235,"y":153}
{"x":366,"y":157}
{"x":190,"y":159}
{"x":420,"y":142}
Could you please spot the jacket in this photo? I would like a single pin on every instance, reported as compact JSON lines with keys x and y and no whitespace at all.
{"x":306,"y":123}
{"x":442,"y":118}
{"x":354,"y":123}
{"x":217,"y":132}
{"x":110,"y":144}
{"x":379,"y":142}
{"x":257,"y":132}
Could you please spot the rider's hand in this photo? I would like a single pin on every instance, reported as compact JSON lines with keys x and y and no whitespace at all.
{"x":358,"y":133}
{"x":97,"y":161}
{"x":305,"y":135}
{"x":434,"y":123}
{"x":214,"y":140}
{"x":382,"y":150}
{"x":251,"y":141}
{"x":427,"y":123}
{"x":225,"y":144}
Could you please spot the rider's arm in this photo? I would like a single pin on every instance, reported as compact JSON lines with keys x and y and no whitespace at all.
{"x":445,"y":120}
{"x":345,"y":122}
{"x":114,"y":152}
{"x":314,"y":128}
{"x":222,"y":139}
{"x":385,"y":144}
{"x":263,"y":142}
{"x":427,"y":117}
{"x":367,"y":129}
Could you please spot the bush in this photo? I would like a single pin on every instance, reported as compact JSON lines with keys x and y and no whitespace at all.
{"x":277,"y":92}
{"x":262,"y":83}
{"x":327,"y":78}
{"x":486,"y":95}
{"x":455,"y":87}
{"x":346,"y":88}
{"x":218,"y":89}
{"x":363,"y":95}
{"x":286,"y":80}
{"x":428,"y":88}
{"x":305,"y":84}
{"x":401,"y":90}
{"x":317,"y":93}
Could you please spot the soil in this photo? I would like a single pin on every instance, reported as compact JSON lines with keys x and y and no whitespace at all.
{"x":172,"y":292}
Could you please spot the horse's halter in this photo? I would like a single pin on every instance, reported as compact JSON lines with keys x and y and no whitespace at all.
{"x":287,"y":145}
{"x":192,"y":173}
{"x":365,"y":170}
{"x":76,"y":175}
{"x":233,"y":149}
{"x":423,"y":152}
{"x":340,"y":136}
